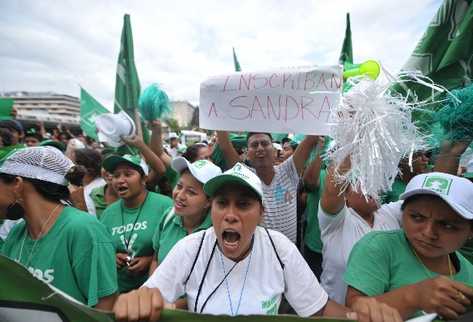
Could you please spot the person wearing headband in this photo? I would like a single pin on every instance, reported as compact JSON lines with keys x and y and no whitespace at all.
{"x":237,"y":267}
{"x":58,"y":244}
{"x":419,"y":267}
{"x":132,"y":219}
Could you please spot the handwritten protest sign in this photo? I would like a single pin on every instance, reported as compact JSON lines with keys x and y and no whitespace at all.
{"x":289,"y":101}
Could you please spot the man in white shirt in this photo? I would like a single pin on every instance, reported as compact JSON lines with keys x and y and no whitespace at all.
{"x":279,"y":182}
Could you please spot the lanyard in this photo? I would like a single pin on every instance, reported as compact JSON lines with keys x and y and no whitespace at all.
{"x":127,"y":240}
{"x":237,"y":309}
{"x":221,"y":282}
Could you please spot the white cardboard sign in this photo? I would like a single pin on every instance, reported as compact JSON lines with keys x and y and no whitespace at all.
{"x":289,"y":101}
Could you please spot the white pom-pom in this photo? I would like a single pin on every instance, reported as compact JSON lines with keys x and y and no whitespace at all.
{"x":372,"y":126}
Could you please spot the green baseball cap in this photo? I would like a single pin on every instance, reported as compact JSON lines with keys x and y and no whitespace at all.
{"x":134,"y":161}
{"x":57,"y":144}
{"x":239,"y":174}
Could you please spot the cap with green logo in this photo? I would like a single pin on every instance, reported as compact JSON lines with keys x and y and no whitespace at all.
{"x":202,"y":170}
{"x":239,"y":174}
{"x":457,"y":192}
{"x":134,"y":161}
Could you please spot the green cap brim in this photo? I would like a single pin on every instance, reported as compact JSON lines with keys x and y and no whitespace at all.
{"x":58,"y":145}
{"x":212,"y":186}
{"x":112,"y":162}
{"x":468,"y":175}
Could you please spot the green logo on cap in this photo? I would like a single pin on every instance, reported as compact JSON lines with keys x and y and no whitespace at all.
{"x":199,"y":164}
{"x":438,"y":184}
{"x":238,"y":171}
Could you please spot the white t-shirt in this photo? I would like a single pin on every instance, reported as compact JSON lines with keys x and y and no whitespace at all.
{"x":280,"y":200}
{"x":89,"y":202}
{"x":340,"y":233}
{"x":265,"y":283}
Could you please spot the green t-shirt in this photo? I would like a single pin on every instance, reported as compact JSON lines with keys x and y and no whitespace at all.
{"x":134,"y":227}
{"x":312,"y":231}
{"x":467,"y":250}
{"x":76,"y":255}
{"x":397,"y":189}
{"x":98,"y":196}
{"x":383,"y":261}
{"x":170,"y":230}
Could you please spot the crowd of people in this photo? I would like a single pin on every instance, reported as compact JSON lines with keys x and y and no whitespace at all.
{"x":225,"y":227}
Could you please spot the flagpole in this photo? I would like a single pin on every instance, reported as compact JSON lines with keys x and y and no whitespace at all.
{"x":139,"y":130}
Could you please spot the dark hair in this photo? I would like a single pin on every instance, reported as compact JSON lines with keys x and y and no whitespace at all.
{"x":135,"y":167}
{"x":426,"y":195}
{"x":68,"y":137}
{"x":76,"y":174}
{"x":6,"y":137}
{"x":7,"y":178}
{"x":90,"y":159}
{"x":192,"y":152}
{"x":12,"y":125}
{"x":292,"y":144}
{"x":250,"y":134}
{"x":48,"y":190}
{"x":34,"y":132}
{"x":417,"y":197}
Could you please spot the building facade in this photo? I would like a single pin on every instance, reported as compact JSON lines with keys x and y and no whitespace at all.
{"x":53,"y":108}
{"x":182,"y":112}
{"x":46,"y":107}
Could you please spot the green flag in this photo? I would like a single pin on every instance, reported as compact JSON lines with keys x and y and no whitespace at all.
{"x":445,"y":51}
{"x":127,"y":84}
{"x":235,"y":62}
{"x":6,"y":108}
{"x":346,"y":55}
{"x":90,"y":108}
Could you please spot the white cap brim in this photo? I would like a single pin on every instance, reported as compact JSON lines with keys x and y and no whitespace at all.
{"x":462,"y":211}
{"x":180,"y":164}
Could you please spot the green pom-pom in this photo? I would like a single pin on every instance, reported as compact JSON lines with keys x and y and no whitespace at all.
{"x":456,"y":118}
{"x":154,"y":103}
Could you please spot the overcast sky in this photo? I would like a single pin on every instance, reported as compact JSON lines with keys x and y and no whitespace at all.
{"x":57,"y":45}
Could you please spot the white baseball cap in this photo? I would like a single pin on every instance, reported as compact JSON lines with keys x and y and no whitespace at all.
{"x":239,"y":174}
{"x":112,"y":127}
{"x":457,"y":192}
{"x":202,"y":170}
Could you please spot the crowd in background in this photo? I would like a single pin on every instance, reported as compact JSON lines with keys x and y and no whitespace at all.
{"x":143,"y":199}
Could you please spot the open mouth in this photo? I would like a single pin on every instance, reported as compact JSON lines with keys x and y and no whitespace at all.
{"x":231,"y":239}
{"x":122,"y":190}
